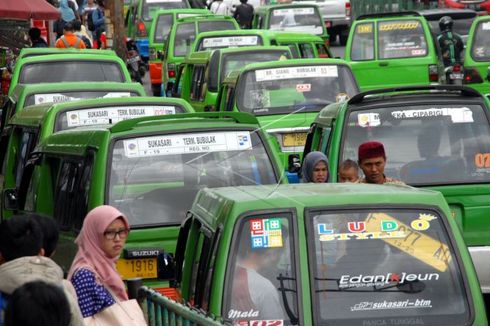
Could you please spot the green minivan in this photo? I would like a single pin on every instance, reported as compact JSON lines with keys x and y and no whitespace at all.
{"x":32,"y":94}
{"x":292,"y":17}
{"x":159,"y":29}
{"x":302,"y":45}
{"x":286,"y":96}
{"x":435,"y":137}
{"x":56,"y":68}
{"x":392,"y":50}
{"x":149,"y":168}
{"x":321,"y":254}
{"x":201,"y":73}
{"x":33,"y":124}
{"x":477,"y":56}
{"x":180,"y":39}
{"x":32,"y":52}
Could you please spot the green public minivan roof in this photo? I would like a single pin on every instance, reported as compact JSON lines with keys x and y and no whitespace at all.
{"x":31,"y":52}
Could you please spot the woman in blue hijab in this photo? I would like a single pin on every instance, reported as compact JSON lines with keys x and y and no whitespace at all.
{"x":315,"y":168}
{"x":67,"y":13}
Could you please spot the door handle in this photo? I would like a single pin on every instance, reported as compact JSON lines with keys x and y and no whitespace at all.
{"x":383,"y":64}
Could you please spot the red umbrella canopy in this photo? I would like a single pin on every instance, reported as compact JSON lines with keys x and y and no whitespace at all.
{"x":27,"y":9}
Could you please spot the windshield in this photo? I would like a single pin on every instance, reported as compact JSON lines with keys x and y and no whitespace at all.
{"x":290,"y":89}
{"x":68,"y":96}
{"x":70,"y":71}
{"x":222,"y":42}
{"x":303,"y":19}
{"x":480,"y":51}
{"x":385,"y":265}
{"x":111,"y":114}
{"x":401,"y":39}
{"x":425,"y":144}
{"x":235,"y":61}
{"x":150,"y":6}
{"x":154,"y":179}
{"x":261,"y":283}
{"x":164,"y":23}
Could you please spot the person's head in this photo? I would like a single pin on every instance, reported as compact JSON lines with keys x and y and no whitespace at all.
{"x":372,"y":160}
{"x":20,"y":236}
{"x":77,"y":25}
{"x":348,"y":171}
{"x":50,"y":230}
{"x":100,"y":3}
{"x":38,"y":303}
{"x":68,"y":28}
{"x":243,"y":1}
{"x":446,"y":24}
{"x":34,"y":33}
{"x":315,"y":167}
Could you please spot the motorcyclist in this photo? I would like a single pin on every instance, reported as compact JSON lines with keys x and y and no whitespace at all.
{"x":451,"y":43}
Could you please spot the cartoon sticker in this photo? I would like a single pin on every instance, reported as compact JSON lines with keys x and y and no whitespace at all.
{"x":303,"y":88}
{"x":266,"y":233}
{"x":482,"y":160}
{"x":370,"y":119}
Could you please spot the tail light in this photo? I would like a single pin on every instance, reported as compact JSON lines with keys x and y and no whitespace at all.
{"x":141,"y":32}
{"x":472,"y":76}
{"x":457,"y":68}
{"x":347,"y":9}
{"x":433,"y":73}
{"x":171,"y":70}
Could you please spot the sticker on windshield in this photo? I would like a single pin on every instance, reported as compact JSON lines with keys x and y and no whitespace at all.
{"x":296,"y":72}
{"x":187,"y":143}
{"x":392,"y":305}
{"x":416,"y":244}
{"x":384,"y":27}
{"x":293,"y":11}
{"x":60,"y":98}
{"x":266,"y":233}
{"x":458,"y":115}
{"x":97,"y":116}
{"x":342,"y":97}
{"x":485,"y":26}
{"x":303,"y":88}
{"x":482,"y":160}
{"x":383,"y":280}
{"x":217,"y":42}
{"x":368,"y":119}
{"x":364,"y":28}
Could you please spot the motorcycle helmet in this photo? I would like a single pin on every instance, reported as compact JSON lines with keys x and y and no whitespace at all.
{"x":446,"y":23}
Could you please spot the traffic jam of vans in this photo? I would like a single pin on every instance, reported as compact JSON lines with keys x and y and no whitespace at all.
{"x":229,"y":157}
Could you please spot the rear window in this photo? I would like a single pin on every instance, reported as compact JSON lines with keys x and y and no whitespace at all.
{"x":425,"y":144}
{"x":480,"y":51}
{"x":305,"y":19}
{"x":363,"y":42}
{"x":385,"y":266}
{"x":164,"y":23}
{"x":150,"y":6}
{"x":222,"y":42}
{"x":67,"y":96}
{"x":111,"y":114}
{"x":184,"y":37}
{"x":71,"y":71}
{"x":401,"y":39}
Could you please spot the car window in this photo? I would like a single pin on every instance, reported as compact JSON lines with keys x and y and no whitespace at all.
{"x":480,"y":49}
{"x":154,"y":179}
{"x":261,"y":283}
{"x":460,"y":26}
{"x":306,"y":50}
{"x":184,"y":37}
{"x":150,"y":6}
{"x":380,"y":264}
{"x":401,"y":39}
{"x":296,"y":19}
{"x":362,"y":47}
{"x":70,"y":71}
{"x":210,"y":26}
{"x":425,"y":144}
{"x":68,"y":96}
{"x":163,"y":24}
{"x":294,"y":89}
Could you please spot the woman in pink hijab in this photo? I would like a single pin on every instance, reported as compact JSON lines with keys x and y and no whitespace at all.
{"x":93,"y":272}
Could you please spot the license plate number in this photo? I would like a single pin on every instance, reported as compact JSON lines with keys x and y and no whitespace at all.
{"x":131,"y":268}
{"x":456,"y":76}
{"x":294,"y":139}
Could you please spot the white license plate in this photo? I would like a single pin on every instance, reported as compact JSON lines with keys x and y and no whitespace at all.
{"x":456,"y":76}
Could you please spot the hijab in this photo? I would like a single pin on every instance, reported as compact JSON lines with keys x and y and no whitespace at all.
{"x":309,"y":163}
{"x":67,"y":13}
{"x":90,"y":254}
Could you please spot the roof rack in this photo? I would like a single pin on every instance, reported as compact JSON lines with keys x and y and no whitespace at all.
{"x":237,"y":117}
{"x":388,"y":14}
{"x":465,"y":91}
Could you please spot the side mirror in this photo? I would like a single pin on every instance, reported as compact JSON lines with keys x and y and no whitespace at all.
{"x":166,"y":266}
{"x":209,"y":108}
{"x":11,"y":199}
{"x":294,"y":163}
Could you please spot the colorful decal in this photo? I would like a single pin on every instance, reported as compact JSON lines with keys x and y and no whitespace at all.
{"x":380,"y":280}
{"x":303,"y":88}
{"x":187,"y":143}
{"x":296,"y":72}
{"x":363,"y":236}
{"x":230,"y":41}
{"x":324,"y":229}
{"x":482,"y":160}
{"x":418,"y":245}
{"x":418,"y":52}
{"x":234,"y":314}
{"x":266,"y":323}
{"x":458,"y":115}
{"x":384,"y":27}
{"x":356,"y":227}
{"x":368,"y":119}
{"x":391,"y":305}
{"x":364,"y":28}
{"x":266,"y":233}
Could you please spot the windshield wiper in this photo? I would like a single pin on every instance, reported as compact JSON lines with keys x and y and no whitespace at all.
{"x":416,"y":286}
